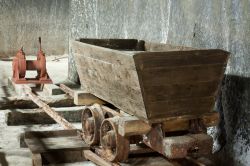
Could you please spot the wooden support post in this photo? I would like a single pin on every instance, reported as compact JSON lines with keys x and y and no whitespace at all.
{"x":52,"y":113}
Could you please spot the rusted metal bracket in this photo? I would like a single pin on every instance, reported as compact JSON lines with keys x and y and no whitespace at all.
{"x":20,"y":65}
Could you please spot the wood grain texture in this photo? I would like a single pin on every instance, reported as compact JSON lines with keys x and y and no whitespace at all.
{"x":180,"y":83}
{"x":110,"y":75}
{"x":162,"y":82}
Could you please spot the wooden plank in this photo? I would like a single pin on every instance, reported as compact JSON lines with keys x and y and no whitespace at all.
{"x":186,"y":74}
{"x":60,"y":146}
{"x":27,"y":103}
{"x":47,"y":134}
{"x":131,"y":125}
{"x":39,"y":145}
{"x":38,"y":116}
{"x":83,"y":98}
{"x":37,"y":159}
{"x":96,"y":159}
{"x":179,"y":107}
{"x":181,"y":124}
{"x":181,"y":90}
{"x":181,"y":58}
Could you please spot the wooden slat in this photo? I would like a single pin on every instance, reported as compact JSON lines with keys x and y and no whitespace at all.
{"x":39,"y":145}
{"x":186,"y":74}
{"x":172,"y":108}
{"x":181,"y":90}
{"x":46,"y":134}
{"x":180,"y":58}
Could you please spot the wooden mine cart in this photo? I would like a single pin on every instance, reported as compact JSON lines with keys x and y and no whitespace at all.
{"x":164,"y":95}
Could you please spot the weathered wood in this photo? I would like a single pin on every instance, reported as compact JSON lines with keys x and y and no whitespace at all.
{"x":153,"y":83}
{"x":96,"y":159}
{"x":174,"y":147}
{"x":27,"y":103}
{"x":131,"y":125}
{"x":61,"y":146}
{"x":38,"y":116}
{"x":52,"y":113}
{"x":36,"y":159}
{"x":83,"y":98}
{"x":48,"y":134}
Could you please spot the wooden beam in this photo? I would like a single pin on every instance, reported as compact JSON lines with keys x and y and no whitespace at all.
{"x":95,"y":158}
{"x":27,"y":103}
{"x":38,"y":116}
{"x":131,"y":125}
{"x":81,"y":97}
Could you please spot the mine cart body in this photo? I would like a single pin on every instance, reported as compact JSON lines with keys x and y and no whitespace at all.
{"x":153,"y":81}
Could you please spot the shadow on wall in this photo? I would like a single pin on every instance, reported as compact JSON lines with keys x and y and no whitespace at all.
{"x":3,"y":161}
{"x":234,"y":108}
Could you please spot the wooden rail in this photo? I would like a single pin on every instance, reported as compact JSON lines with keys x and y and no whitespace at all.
{"x":46,"y":108}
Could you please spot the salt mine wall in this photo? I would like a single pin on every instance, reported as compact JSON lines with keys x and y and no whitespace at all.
{"x":23,"y":21}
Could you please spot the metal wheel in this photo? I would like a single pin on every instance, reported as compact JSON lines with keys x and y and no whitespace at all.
{"x":114,"y":146}
{"x":92,"y":118}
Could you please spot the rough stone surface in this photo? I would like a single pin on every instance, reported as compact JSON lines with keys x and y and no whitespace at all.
{"x":22,"y":22}
{"x":221,"y":24}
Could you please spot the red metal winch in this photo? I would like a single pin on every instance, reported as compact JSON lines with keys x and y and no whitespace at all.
{"x":20,"y":65}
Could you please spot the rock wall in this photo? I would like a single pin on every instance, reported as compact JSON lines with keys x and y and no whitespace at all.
{"x":23,"y":21}
{"x":221,"y":24}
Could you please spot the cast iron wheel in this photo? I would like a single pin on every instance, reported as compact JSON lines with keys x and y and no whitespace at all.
{"x":92,"y":118}
{"x":114,"y":146}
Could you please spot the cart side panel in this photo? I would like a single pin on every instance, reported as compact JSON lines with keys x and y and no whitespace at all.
{"x":180,"y":83}
{"x":111,"y":76}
